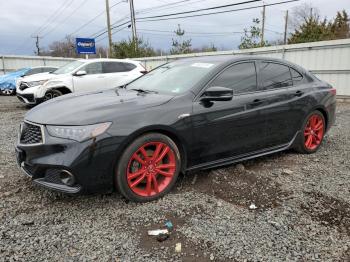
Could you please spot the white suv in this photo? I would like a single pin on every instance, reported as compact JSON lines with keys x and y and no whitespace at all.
{"x":78,"y":76}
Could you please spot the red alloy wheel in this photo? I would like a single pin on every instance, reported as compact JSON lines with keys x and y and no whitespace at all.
{"x":151,"y":169}
{"x":313,"y":132}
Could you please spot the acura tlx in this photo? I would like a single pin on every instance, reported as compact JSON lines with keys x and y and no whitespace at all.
{"x":187,"y":115}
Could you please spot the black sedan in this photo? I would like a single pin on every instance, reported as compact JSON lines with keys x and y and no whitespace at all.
{"x":186,"y":115}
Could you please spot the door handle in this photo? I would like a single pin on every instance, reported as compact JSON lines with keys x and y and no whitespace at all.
{"x":257,"y":102}
{"x":298,"y":93}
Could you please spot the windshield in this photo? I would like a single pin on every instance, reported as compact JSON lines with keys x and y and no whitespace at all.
{"x":174,"y":78}
{"x":68,"y":68}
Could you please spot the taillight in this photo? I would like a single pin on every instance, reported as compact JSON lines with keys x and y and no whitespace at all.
{"x":333,"y":91}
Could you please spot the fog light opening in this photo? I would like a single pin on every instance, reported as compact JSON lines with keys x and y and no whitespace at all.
{"x":67,"y":178}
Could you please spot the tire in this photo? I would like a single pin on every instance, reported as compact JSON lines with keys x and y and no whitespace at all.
{"x":52,"y":94}
{"x":8,"y":91}
{"x":313,"y":130}
{"x":142,"y":181}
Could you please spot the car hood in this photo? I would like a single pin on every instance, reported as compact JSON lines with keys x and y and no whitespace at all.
{"x":39,"y":77}
{"x":92,"y":108}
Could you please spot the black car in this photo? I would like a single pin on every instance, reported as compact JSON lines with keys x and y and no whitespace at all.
{"x":186,"y":115}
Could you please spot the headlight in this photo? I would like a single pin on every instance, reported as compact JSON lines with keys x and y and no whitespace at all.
{"x":36,"y":83}
{"x":78,"y":133}
{"x":53,"y":83}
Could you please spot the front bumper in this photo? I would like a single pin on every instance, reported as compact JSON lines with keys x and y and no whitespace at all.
{"x":91,"y":162}
{"x":28,"y":99}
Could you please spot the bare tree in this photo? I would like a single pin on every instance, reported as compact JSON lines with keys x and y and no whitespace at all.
{"x":301,"y":14}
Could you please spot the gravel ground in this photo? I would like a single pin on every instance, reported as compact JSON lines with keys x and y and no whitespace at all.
{"x":303,"y":210}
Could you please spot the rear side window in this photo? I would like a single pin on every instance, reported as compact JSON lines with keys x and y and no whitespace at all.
{"x":296,"y":76}
{"x":275,"y":75}
{"x":240,"y":77}
{"x":116,"y":67}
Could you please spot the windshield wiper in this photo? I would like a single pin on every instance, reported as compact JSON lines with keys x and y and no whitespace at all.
{"x":145,"y":91}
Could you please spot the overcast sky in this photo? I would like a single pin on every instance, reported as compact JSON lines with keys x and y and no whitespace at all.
{"x":54,"y":19}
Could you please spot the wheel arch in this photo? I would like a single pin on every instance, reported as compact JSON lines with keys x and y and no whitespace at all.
{"x":63,"y":89}
{"x":165,"y":130}
{"x":324,"y":112}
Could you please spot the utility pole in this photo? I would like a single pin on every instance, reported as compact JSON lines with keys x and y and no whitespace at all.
{"x":285,"y":28}
{"x":133,"y":23}
{"x":109,"y":29}
{"x":37,"y":45}
{"x":263,"y":27}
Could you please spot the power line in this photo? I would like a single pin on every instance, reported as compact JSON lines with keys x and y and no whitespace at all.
{"x":55,"y":17}
{"x":189,"y":32}
{"x":219,"y":12}
{"x":94,"y":18}
{"x":205,"y":14}
{"x":202,"y":9}
{"x":67,"y":17}
{"x":185,"y":12}
{"x":50,"y":17}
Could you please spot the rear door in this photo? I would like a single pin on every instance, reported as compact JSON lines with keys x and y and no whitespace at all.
{"x":280,"y":105}
{"x":225,"y":129}
{"x":93,"y":80}
{"x":118,"y":73}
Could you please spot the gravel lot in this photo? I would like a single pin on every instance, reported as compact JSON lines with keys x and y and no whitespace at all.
{"x":303,"y":210}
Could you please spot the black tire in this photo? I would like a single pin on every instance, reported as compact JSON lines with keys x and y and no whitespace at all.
{"x":8,"y":92}
{"x":301,"y":140}
{"x":52,"y":94}
{"x":123,"y":165}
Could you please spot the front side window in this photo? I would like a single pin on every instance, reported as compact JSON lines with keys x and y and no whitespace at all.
{"x":275,"y":75}
{"x":93,"y":68}
{"x":68,"y":68}
{"x":240,"y":77}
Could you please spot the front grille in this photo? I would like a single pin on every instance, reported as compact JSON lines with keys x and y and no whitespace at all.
{"x":23,"y":86}
{"x":30,"y":134}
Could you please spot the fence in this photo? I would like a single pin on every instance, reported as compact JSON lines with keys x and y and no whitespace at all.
{"x":328,"y":60}
{"x":13,"y":62}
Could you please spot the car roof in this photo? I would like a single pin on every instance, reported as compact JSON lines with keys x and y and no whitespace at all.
{"x":230,"y":58}
{"x":107,"y":60}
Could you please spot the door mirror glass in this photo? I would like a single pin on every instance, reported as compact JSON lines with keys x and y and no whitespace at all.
{"x":217,"y":93}
{"x":80,"y":73}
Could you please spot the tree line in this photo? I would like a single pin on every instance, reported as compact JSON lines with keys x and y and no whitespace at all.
{"x":305,"y":25}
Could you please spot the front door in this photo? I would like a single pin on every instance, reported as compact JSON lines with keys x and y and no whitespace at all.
{"x":226,"y":129}
{"x":92,"y":81}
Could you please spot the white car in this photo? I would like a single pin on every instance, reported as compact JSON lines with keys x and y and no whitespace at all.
{"x":78,"y":76}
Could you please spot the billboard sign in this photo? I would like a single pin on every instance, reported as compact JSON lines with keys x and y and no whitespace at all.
{"x":85,"y":45}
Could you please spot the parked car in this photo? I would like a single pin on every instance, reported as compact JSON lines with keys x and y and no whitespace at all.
{"x":187,"y":115}
{"x":79,"y":76}
{"x":8,"y":81}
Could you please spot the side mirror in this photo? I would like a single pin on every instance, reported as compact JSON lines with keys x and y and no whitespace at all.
{"x":217,"y":93}
{"x":80,"y":73}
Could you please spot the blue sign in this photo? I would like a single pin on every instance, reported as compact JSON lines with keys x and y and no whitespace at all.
{"x":85,"y":45}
